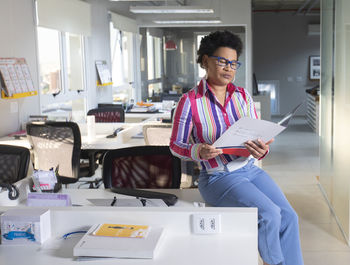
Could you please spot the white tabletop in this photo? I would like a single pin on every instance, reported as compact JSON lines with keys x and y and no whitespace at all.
{"x":236,"y":244}
{"x":147,"y":116}
{"x":125,"y":138}
{"x":187,"y":197}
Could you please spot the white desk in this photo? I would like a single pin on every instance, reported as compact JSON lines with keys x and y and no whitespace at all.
{"x":124,"y":138}
{"x":82,"y":196}
{"x":236,"y":244}
{"x":140,"y":117}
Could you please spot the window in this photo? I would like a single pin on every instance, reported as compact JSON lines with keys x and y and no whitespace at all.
{"x":49,"y":61}
{"x":62,"y":75}
{"x":154,"y":64}
{"x":75,"y":62}
{"x":123,"y":73}
{"x":200,"y":71}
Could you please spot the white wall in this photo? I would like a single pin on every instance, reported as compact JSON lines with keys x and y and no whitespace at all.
{"x":98,"y":48}
{"x":17,"y":39}
{"x":281,"y":49}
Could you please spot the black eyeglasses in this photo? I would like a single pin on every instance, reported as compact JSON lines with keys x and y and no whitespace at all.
{"x":224,"y":62}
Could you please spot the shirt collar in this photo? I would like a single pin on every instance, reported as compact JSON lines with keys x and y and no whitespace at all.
{"x":203,"y":87}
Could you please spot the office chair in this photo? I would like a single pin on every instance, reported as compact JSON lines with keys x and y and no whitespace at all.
{"x":150,"y":167}
{"x":108,"y":114}
{"x":58,"y":144}
{"x":14,"y":162}
{"x":104,"y":114}
{"x":157,"y":134}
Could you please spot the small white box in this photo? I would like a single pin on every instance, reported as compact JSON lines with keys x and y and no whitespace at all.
{"x":25,"y":226}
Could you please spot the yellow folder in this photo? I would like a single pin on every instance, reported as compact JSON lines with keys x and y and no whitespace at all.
{"x":122,"y":230}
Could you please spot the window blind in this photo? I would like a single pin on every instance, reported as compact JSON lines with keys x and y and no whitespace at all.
{"x":124,"y":23}
{"x":71,"y":16}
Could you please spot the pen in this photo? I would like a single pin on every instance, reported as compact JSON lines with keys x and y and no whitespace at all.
{"x":114,"y":201}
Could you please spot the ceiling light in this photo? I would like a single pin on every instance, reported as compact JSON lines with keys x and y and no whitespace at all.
{"x":169,"y":10}
{"x":187,"y":21}
{"x":136,"y":0}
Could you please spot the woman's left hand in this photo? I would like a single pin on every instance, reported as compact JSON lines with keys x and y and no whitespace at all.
{"x":258,"y":148}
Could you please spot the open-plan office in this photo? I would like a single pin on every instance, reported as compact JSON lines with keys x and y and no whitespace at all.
{"x":71,"y":47}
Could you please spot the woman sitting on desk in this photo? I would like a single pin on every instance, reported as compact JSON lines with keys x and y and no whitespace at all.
{"x":229,"y":180}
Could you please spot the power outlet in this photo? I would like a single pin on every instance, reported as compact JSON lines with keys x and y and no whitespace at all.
{"x":206,"y":223}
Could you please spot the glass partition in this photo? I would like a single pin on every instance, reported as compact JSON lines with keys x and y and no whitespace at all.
{"x":326,"y":98}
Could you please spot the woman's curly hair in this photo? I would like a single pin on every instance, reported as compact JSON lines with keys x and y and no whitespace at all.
{"x":213,"y":41}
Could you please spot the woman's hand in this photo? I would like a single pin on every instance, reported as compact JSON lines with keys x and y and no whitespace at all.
{"x":207,"y":151}
{"x":258,"y":148}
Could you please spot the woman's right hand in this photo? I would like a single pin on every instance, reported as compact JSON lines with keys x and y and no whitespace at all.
{"x":207,"y":151}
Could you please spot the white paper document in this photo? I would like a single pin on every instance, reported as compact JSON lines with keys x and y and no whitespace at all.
{"x":246,"y":129}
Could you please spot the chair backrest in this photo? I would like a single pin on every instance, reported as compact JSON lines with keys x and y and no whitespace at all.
{"x":56,"y":144}
{"x":141,"y":167}
{"x":157,"y":134}
{"x":14,"y":162}
{"x":108,"y":114}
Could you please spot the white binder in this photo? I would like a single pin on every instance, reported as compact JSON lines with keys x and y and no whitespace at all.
{"x":116,"y":247}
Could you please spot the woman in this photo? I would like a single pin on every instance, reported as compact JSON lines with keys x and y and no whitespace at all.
{"x":228,"y":180}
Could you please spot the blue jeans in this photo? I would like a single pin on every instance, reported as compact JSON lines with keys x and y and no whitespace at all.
{"x":250,"y":186}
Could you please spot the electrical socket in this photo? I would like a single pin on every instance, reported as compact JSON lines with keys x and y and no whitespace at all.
{"x":206,"y":223}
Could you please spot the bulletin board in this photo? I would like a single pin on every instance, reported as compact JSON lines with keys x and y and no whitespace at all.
{"x":15,"y":78}
{"x":104,"y":77}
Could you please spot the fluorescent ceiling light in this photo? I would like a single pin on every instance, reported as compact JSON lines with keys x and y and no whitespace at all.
{"x":187,"y":21}
{"x":169,"y":10}
{"x":136,"y":0}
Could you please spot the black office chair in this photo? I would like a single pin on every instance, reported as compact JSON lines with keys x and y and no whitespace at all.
{"x":59,"y":144}
{"x":108,"y":114}
{"x":150,"y":167}
{"x":14,"y":162}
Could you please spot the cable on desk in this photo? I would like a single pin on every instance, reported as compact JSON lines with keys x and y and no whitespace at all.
{"x":13,"y":192}
{"x":65,"y":236}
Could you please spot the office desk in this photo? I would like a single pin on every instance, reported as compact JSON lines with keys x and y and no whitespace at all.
{"x":236,"y":244}
{"x":147,"y":116}
{"x":124,"y":138}
{"x":82,"y":196}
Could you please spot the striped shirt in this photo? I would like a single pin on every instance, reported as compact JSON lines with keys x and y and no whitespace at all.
{"x":205,"y":119}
